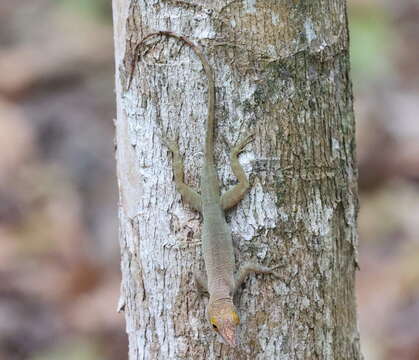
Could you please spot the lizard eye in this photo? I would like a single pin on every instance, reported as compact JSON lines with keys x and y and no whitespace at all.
{"x":213,"y":321}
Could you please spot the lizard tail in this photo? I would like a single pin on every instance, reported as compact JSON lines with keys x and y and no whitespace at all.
{"x":209,"y":141}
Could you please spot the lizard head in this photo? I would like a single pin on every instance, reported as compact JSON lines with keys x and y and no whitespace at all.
{"x":223,"y":318}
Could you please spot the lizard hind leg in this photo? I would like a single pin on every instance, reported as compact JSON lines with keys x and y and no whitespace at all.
{"x":232,"y":197}
{"x":249,"y":268}
{"x":188,"y":194}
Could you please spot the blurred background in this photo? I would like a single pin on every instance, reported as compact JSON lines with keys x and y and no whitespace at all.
{"x":59,"y":255}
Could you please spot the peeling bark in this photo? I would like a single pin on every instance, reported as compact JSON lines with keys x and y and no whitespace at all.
{"x":282,"y":71}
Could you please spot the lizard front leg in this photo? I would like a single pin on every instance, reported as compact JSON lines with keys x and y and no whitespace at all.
{"x":189,"y":195}
{"x":249,"y":268}
{"x":201,"y":282}
{"x":232,"y":197}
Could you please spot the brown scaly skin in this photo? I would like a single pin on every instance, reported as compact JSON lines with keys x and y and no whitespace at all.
{"x":220,"y":281}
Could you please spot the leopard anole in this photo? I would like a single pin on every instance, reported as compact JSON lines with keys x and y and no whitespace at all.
{"x":220,"y":280}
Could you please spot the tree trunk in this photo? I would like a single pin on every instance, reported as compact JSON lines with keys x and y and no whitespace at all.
{"x":281,"y":71}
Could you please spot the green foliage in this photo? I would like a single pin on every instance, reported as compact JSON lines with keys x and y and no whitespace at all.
{"x":78,"y":349}
{"x":99,"y":9}
{"x":371,"y":40}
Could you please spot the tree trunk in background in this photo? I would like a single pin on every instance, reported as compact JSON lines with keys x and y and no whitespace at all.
{"x":281,"y":70}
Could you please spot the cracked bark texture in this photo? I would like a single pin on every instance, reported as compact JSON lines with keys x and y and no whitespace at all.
{"x":282,"y":71}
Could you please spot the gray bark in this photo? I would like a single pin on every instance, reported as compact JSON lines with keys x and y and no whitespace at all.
{"x":281,"y":70}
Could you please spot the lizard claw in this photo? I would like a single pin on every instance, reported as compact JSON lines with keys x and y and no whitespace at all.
{"x":240,"y":146}
{"x":227,"y":142}
{"x":172,"y":145}
{"x":249,"y":268}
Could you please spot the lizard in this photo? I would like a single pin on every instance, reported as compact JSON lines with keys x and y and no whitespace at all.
{"x":220,"y":281}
